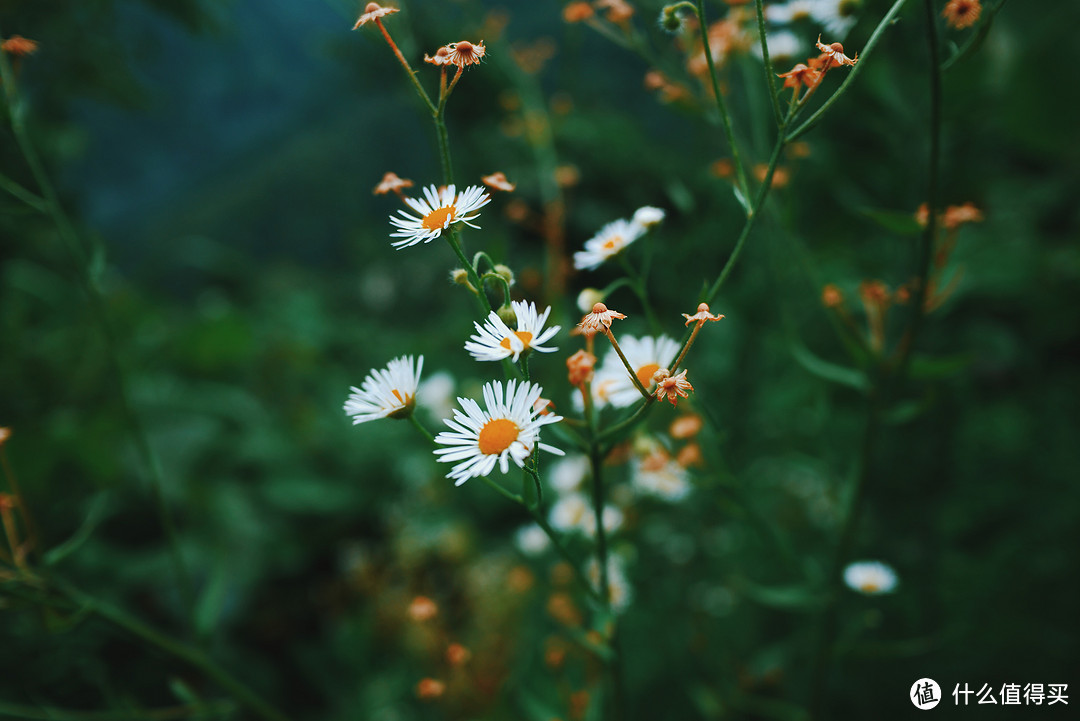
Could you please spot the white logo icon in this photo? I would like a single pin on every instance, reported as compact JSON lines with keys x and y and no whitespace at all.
{"x":925,"y":694}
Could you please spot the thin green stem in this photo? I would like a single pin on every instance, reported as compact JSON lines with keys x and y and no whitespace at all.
{"x":408,"y":68}
{"x":420,"y":427}
{"x":119,"y":617}
{"x":34,"y":201}
{"x":770,"y":73}
{"x":867,"y":49}
{"x":629,"y":368}
{"x":561,"y":549}
{"x":612,"y":432}
{"x":725,"y":118}
{"x":502,"y":491}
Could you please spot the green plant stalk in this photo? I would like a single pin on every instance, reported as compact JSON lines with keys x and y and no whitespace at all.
{"x":770,"y":72}
{"x":193,"y":657}
{"x":408,"y":68}
{"x":420,"y":427}
{"x":70,"y":236}
{"x":725,"y":118}
{"x":629,"y":368}
{"x":23,"y":194}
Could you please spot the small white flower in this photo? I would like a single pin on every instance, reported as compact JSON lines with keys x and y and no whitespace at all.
{"x":870,"y":577}
{"x":389,"y":392}
{"x":569,"y":512}
{"x":531,"y":540}
{"x":507,"y":430}
{"x":438,"y":210}
{"x":567,"y":474}
{"x":783,"y":46}
{"x":436,"y":394}
{"x":612,"y":239}
{"x":588,"y":298}
{"x":648,"y":216}
{"x":612,"y":385}
{"x":611,"y":517}
{"x":657,"y":474}
{"x":789,"y":12}
{"x":837,"y":17}
{"x":620,"y":593}
{"x":494,"y":340}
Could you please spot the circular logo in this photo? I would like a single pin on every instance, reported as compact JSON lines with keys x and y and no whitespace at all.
{"x":925,"y":694}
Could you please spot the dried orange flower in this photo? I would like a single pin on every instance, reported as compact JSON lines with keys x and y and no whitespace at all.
{"x":618,"y":11}
{"x":780,"y":176}
{"x":422,"y":609}
{"x":441,"y":56}
{"x":464,"y":53}
{"x":962,"y":14}
{"x":957,"y":215}
{"x":722,"y":168}
{"x":430,"y":688}
{"x":685,"y":427}
{"x":799,"y":76}
{"x":874,"y":292}
{"x":373,"y":11}
{"x":922,"y":215}
{"x":671,"y":386}
{"x":580,"y":367}
{"x":599,"y":319}
{"x":701,"y":316}
{"x":498,"y":181}
{"x":5,"y":433}
{"x":835,"y":54}
{"x":690,"y":455}
{"x":391,"y":183}
{"x":457,"y":655}
{"x":831,"y":296}
{"x":18,"y":45}
{"x":575,"y":12}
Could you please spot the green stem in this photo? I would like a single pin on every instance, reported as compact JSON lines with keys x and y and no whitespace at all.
{"x":117,"y":616}
{"x":408,"y":68}
{"x":874,"y":37}
{"x":770,"y":73}
{"x":629,"y":369}
{"x":420,"y":427}
{"x":725,"y":118}
{"x":561,"y":549}
{"x":629,"y":422}
{"x":34,"y":201}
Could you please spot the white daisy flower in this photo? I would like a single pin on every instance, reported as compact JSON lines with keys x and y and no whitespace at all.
{"x":569,"y":512}
{"x":837,"y":17}
{"x":648,"y":216}
{"x":508,"y":430}
{"x":531,"y":540}
{"x":438,"y":209}
{"x":612,"y":385}
{"x":870,"y":577}
{"x":386,"y":393}
{"x":790,"y":12}
{"x":436,"y":393}
{"x":657,"y":474}
{"x":567,"y":474}
{"x":783,"y":46}
{"x":610,"y":516}
{"x":620,"y":593}
{"x":609,"y":242}
{"x":495,"y":341}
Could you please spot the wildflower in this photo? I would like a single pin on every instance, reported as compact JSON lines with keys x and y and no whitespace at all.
{"x":685,"y":427}
{"x":19,"y":46}
{"x":5,"y":433}
{"x":656,"y":474}
{"x":600,"y":318}
{"x":373,"y":11}
{"x":464,"y":53}
{"x":568,"y":474}
{"x":612,"y":239}
{"x":544,"y":406}
{"x":508,"y":430}
{"x":724,"y":168}
{"x":569,"y":512}
{"x":441,"y":56}
{"x":646,"y":356}
{"x":580,"y":367}
{"x":690,"y":455}
{"x":429,"y":688}
{"x":780,"y":176}
{"x":589,"y":297}
{"x":498,"y":181}
{"x":836,"y":16}
{"x":870,"y":577}
{"x":922,"y":215}
{"x":619,"y":592}
{"x":575,"y":12}
{"x":423,"y":609}
{"x":831,"y":297}
{"x":495,"y":341}
{"x":438,"y":210}
{"x":391,"y":183}
{"x":799,"y":76}
{"x":783,"y":45}
{"x":386,"y":393}
{"x":648,"y":216}
{"x":671,"y":386}
{"x":458,"y":655}
{"x":610,"y":516}
{"x":834,"y":53}
{"x":436,"y":394}
{"x":789,"y":12}
{"x":957,"y":215}
{"x":961,"y":14}
{"x":702,"y":315}
{"x":531,"y":540}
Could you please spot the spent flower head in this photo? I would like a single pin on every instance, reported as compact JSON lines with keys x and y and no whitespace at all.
{"x":670,"y":386}
{"x":834,"y":54}
{"x":373,"y":11}
{"x":599,"y":319}
{"x":391,"y":183}
{"x":464,"y":53}
{"x":960,"y":14}
{"x":702,"y":315}
{"x":19,"y":46}
{"x":498,"y":181}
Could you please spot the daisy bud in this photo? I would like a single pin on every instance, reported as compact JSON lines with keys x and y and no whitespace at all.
{"x":504,"y":272}
{"x":670,"y":20}
{"x":460,"y":276}
{"x":580,"y":367}
{"x":588,"y":298}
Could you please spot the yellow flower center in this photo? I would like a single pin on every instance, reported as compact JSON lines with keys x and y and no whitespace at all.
{"x":497,"y":435}
{"x":436,"y":219}
{"x":406,"y":405}
{"x":870,"y":587}
{"x":614,"y":241}
{"x":645,"y":373}
{"x":523,"y":335}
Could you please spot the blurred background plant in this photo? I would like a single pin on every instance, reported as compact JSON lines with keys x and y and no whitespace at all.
{"x":216,"y":161}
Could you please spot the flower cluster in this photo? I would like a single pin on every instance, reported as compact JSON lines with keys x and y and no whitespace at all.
{"x":615,"y":237}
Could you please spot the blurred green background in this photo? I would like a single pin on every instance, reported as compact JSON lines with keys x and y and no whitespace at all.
{"x":222,"y":155}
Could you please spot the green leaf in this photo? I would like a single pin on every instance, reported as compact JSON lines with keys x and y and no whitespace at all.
{"x":822,"y":368}
{"x":210,"y":603}
{"x":894,"y":221}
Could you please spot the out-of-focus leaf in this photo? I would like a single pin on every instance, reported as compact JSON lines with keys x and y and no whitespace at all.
{"x":930,"y":368}
{"x":825,"y":369}
{"x":94,"y":514}
{"x":894,"y":221}
{"x":787,"y":597}
{"x":212,"y":599}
